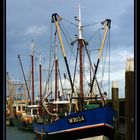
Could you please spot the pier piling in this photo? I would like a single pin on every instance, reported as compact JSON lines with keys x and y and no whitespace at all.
{"x":115,"y":100}
{"x":129,"y":97}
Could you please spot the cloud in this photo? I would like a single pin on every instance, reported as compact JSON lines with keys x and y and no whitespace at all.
{"x":12,"y":32}
{"x":27,"y":20}
{"x":122,"y":32}
{"x":36,"y":30}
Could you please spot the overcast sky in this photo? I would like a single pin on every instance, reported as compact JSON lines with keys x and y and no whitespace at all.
{"x":29,"y":20}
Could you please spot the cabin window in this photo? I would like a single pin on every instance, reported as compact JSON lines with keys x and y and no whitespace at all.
{"x":28,"y":111}
{"x":23,"y":108}
{"x":35,"y":112}
{"x":18,"y":108}
{"x":14,"y":108}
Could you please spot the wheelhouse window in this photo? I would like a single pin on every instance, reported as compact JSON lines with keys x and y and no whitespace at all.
{"x":34,"y":111}
{"x":14,"y":108}
{"x":23,"y":108}
{"x":19,"y":108}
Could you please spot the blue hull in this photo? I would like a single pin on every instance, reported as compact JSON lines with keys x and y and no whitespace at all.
{"x":88,"y":123}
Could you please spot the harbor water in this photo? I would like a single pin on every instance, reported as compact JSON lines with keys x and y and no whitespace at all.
{"x":13,"y":133}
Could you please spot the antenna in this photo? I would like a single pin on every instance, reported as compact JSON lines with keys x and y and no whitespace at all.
{"x":80,"y":27}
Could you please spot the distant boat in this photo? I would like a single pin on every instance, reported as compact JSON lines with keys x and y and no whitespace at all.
{"x":21,"y":111}
{"x":25,"y":121}
{"x":78,"y":116}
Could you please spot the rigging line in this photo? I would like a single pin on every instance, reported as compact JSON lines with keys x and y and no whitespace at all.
{"x":60,"y":24}
{"x":36,"y":73}
{"x":86,"y":92}
{"x":67,"y":41}
{"x":24,"y":77}
{"x":100,"y":40}
{"x":66,"y":31}
{"x":36,"y":61}
{"x":20,"y":79}
{"x":30,"y":73}
{"x":84,"y":69}
{"x":75,"y":67}
{"x":50,"y":56}
{"x":109,"y":66}
{"x":19,"y":70}
{"x":70,"y":47}
{"x":60,"y":79}
{"x":89,"y":60}
{"x":107,"y":24}
{"x":107,"y":48}
{"x":104,"y":63}
{"x":49,"y":75}
{"x":70,"y":22}
{"x":91,"y":24}
{"x":93,"y":35}
{"x":93,"y":69}
{"x":28,"y":62}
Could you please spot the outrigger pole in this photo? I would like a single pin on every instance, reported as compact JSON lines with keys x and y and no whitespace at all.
{"x":55,"y":19}
{"x":107,"y":24}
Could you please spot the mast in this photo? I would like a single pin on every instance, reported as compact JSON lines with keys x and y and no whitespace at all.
{"x":56,"y":71}
{"x":32,"y":59}
{"x":80,"y":45}
{"x":56,"y":75}
{"x":40,"y":72}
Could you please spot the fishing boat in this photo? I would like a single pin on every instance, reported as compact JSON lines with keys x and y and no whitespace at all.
{"x":78,"y":116}
{"x":26,"y":121}
{"x":31,"y":111}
